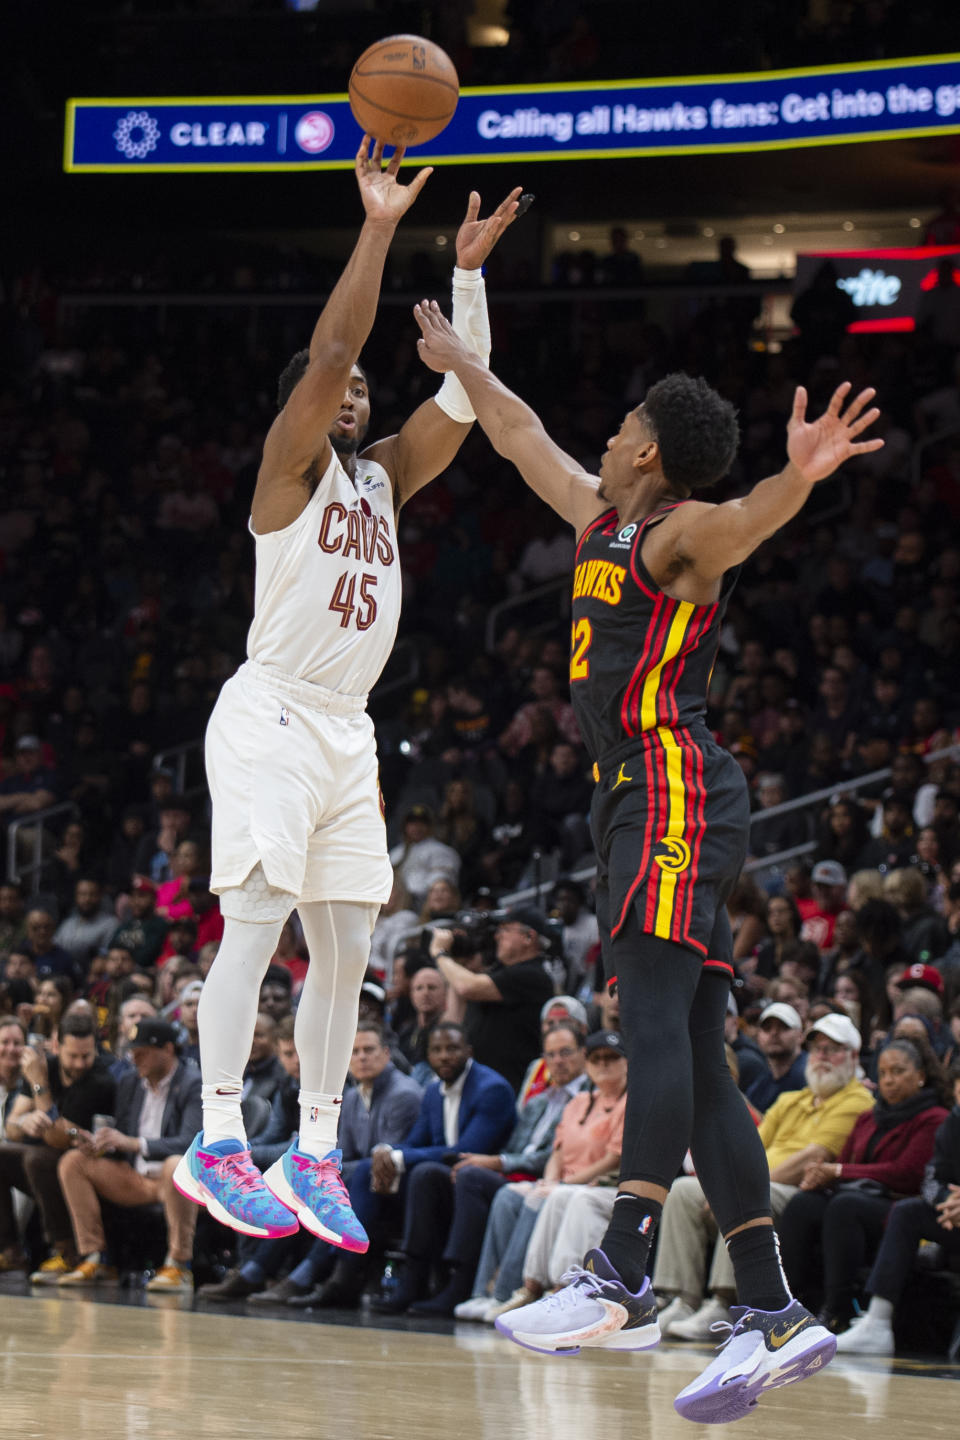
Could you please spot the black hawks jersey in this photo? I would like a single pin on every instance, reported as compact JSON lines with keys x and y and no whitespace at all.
{"x":640,"y":660}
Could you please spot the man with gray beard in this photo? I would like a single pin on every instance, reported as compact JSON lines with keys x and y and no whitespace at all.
{"x":801,"y":1126}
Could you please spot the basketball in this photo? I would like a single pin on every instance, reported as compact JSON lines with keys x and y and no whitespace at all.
{"x":404,"y":90}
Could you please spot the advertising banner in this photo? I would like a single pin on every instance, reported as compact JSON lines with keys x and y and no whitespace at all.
{"x":685,"y":116}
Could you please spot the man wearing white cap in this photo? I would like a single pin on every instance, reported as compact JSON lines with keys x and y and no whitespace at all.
{"x":779,"y":1036}
{"x":800,"y":1126}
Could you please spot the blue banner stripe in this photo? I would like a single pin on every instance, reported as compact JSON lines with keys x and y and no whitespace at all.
{"x":697,"y":115}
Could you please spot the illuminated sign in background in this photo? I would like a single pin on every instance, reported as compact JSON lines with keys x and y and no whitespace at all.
{"x":697,"y":115}
{"x":886,"y":286}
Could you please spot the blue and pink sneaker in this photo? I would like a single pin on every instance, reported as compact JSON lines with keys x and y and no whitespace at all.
{"x":765,"y":1349}
{"x":314,"y":1190}
{"x":222,"y":1177}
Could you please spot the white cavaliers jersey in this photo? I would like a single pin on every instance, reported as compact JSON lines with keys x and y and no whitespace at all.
{"x":328,"y":586}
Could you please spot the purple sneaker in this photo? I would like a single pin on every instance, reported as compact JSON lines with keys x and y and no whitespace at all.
{"x":765,"y":1348}
{"x":314,"y":1190}
{"x":594,"y":1308}
{"x":222,"y":1177}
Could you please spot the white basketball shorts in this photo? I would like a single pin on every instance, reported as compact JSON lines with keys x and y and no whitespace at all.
{"x":292,"y":770}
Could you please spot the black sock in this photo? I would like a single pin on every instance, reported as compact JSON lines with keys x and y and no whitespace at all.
{"x":629,"y":1237}
{"x":755,"y":1256}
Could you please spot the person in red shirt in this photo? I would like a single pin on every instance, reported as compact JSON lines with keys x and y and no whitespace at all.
{"x":829,"y":897}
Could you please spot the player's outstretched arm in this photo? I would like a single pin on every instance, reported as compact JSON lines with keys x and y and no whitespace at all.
{"x":513,"y":429}
{"x":711,"y":539}
{"x":429,"y":440}
{"x":299,"y":433}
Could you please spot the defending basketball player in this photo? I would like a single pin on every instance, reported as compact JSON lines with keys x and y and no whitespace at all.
{"x":654,"y":571}
{"x":290,"y":753}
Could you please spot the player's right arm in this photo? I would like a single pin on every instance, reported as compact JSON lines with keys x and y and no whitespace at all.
{"x":512,"y":428}
{"x":298,"y":436}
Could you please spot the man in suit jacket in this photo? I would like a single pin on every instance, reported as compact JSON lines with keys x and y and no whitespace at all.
{"x":469,"y":1107}
{"x":158,"y":1112}
{"x":448,"y":1216}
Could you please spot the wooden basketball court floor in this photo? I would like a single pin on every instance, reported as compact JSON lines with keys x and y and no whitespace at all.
{"x":72,"y":1368}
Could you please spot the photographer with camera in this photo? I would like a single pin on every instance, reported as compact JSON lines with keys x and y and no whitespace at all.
{"x":503,"y":1003}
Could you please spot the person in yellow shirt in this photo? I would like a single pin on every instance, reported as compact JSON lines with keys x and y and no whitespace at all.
{"x":801,"y":1126}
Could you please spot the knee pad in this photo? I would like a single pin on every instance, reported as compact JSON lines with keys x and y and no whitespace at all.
{"x":256,"y":901}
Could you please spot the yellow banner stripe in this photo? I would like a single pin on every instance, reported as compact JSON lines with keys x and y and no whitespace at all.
{"x":648,"y":704}
{"x":676,"y":824}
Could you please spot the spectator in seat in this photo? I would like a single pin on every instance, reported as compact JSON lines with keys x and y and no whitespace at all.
{"x":563,"y":1010}
{"x":470,"y":1188}
{"x":782,"y":832}
{"x":836,"y":1221}
{"x":560,"y":797}
{"x":12,"y":1041}
{"x":892,"y":848}
{"x":187,"y":1018}
{"x":933,"y":1215}
{"x":844,"y":833}
{"x":48,"y":957}
{"x":264,"y":1072}
{"x":780,"y":1040}
{"x":32,"y":786}
{"x":88,"y":928}
{"x":276,"y":991}
{"x":503,"y":1004}
{"x":800,"y":1128}
{"x":580,"y":930}
{"x":131,"y":1163}
{"x":13,"y":930}
{"x":829,"y":882}
{"x":746,"y":909}
{"x":420,"y":857}
{"x":546,"y":693}
{"x":58,"y":1095}
{"x":924,"y":933}
{"x":144,"y":931}
{"x":130,"y":1011}
{"x":468,"y":1108}
{"x":428,"y":995}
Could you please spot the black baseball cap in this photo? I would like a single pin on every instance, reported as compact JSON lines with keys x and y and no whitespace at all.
{"x":155,"y":1033}
{"x":530,"y":916}
{"x":606,"y":1040}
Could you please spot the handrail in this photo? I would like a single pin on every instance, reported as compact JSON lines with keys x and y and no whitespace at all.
{"x":761,"y":862}
{"x":15,"y":871}
{"x":513,"y":602}
{"x":411,"y":673}
{"x":175,"y":757}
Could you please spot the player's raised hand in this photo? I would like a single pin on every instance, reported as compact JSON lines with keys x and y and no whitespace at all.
{"x":384,"y":198}
{"x":476,"y":237}
{"x":819,"y":447}
{"x":439,"y":344}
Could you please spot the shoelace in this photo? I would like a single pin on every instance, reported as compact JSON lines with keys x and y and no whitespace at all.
{"x":240,"y":1172}
{"x":328,"y":1177}
{"x":575,"y":1283}
{"x":719,"y":1326}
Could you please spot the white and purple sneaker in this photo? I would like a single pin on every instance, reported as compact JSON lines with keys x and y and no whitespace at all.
{"x":593,"y":1309}
{"x":765,"y":1349}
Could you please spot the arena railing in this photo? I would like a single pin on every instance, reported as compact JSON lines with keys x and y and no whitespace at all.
{"x":513,"y":603}
{"x":27,"y":833}
{"x":760,"y":865}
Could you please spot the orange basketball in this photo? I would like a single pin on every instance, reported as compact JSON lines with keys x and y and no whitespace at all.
{"x":404,"y":90}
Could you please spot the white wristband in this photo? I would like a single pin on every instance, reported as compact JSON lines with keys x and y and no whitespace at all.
{"x":471,"y":322}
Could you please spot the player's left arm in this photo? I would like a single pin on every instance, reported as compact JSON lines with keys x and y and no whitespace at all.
{"x":430,"y":439}
{"x":710,"y":539}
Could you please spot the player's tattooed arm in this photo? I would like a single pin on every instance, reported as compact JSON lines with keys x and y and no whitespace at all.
{"x":710,"y":539}
{"x":513,"y":429}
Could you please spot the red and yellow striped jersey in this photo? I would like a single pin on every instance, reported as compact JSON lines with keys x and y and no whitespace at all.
{"x":639,"y":659}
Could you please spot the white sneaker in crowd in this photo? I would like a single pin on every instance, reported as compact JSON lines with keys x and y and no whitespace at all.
{"x":866,"y":1336}
{"x":675,"y":1313}
{"x":698,"y":1326}
{"x":475,"y":1308}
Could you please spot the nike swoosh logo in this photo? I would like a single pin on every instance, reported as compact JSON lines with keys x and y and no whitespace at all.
{"x":228,"y":1092}
{"x":776,"y":1341}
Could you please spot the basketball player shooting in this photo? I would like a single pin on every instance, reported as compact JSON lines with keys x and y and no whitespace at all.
{"x":655,"y":567}
{"x":290,"y":752}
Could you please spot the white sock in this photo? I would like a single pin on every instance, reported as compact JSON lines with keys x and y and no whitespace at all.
{"x":319,"y":1119}
{"x":226,"y":1017}
{"x":880,"y":1309}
